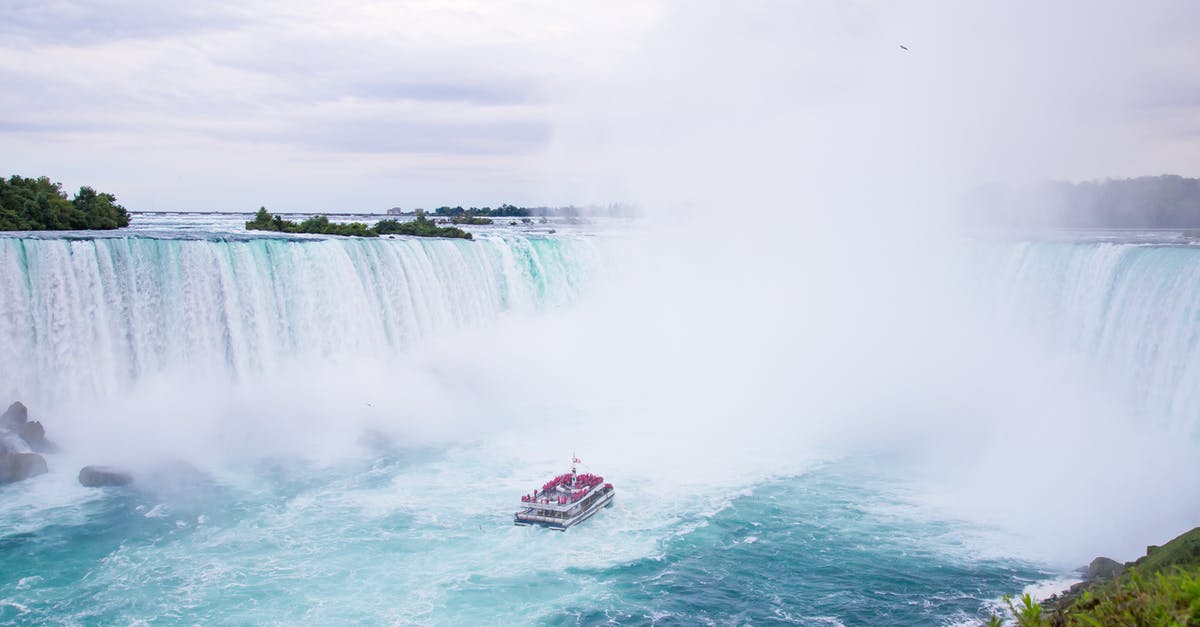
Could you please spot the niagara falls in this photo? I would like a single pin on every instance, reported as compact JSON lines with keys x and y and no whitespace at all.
{"x":637,"y":312}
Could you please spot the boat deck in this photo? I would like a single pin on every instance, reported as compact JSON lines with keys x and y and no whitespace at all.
{"x":565,"y":501}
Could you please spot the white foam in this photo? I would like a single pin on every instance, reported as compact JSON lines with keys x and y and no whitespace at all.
{"x":1042,"y":590}
{"x":27,"y":582}
{"x":161,"y":510}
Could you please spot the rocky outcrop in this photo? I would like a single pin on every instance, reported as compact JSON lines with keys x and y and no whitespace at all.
{"x":14,"y":417}
{"x":35,"y":435}
{"x":99,"y":476}
{"x":20,"y":442}
{"x":1103,"y":575}
{"x":20,"y":466}
{"x":1104,"y":568}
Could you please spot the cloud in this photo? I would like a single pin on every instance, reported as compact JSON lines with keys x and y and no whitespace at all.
{"x":1073,"y":85}
{"x":376,"y":135}
{"x":76,"y":23}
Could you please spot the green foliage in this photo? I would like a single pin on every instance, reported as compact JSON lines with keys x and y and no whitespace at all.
{"x":1167,"y":598}
{"x":1183,"y":551}
{"x":320,"y":224}
{"x":1029,"y":614}
{"x":503,"y":211}
{"x":28,"y":204}
{"x":1160,"y":588}
{"x":470,"y":219}
{"x":421,"y":227}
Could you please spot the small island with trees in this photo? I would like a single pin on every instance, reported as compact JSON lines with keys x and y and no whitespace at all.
{"x":37,"y":204}
{"x":321,"y":225}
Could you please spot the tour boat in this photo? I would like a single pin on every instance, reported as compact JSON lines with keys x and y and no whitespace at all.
{"x":565,"y":500}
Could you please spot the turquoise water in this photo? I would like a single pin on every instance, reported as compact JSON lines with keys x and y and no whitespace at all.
{"x":302,"y":506}
{"x":367,"y":542}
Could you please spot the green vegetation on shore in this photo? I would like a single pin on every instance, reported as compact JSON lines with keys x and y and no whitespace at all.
{"x":29,"y":204}
{"x":1160,"y":588}
{"x":264,"y":221}
{"x":469,"y":219}
{"x":420,"y":227}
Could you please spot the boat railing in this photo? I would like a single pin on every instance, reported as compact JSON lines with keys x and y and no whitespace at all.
{"x":562,"y":490}
{"x":560,"y":499}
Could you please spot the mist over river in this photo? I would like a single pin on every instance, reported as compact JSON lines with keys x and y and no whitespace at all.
{"x":330,"y":430}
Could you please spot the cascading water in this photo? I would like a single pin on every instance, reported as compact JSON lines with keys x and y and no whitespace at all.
{"x":1130,"y":309}
{"x":87,"y":317}
{"x":407,"y":532}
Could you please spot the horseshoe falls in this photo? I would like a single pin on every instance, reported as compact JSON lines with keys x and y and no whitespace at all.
{"x":331,"y":430}
{"x":102,"y":313}
{"x":1132,"y":308}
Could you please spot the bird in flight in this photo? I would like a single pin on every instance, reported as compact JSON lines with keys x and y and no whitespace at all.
{"x":903,"y":47}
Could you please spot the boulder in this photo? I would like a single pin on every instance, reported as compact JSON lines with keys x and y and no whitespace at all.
{"x":97,"y":476}
{"x":15,"y":416}
{"x":19,"y":466}
{"x":34,"y":435}
{"x":1104,"y":568}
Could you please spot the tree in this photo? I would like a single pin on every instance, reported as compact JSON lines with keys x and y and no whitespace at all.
{"x":39,"y":204}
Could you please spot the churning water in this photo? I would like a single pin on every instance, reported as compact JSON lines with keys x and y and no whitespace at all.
{"x":409,"y":529}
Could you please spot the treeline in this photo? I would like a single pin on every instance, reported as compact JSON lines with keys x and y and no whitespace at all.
{"x":503,"y":211}
{"x":29,"y":204}
{"x":420,"y":227}
{"x":1168,"y":201}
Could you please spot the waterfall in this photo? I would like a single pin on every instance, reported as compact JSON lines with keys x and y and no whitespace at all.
{"x":1133,"y":310}
{"x":87,"y":317}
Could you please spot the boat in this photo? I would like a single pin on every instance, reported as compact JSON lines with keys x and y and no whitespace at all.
{"x":565,"y":501}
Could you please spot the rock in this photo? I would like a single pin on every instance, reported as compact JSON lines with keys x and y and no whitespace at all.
{"x":97,"y":476}
{"x":1104,"y":568}
{"x":15,"y":416}
{"x":34,"y":435}
{"x":19,"y":466}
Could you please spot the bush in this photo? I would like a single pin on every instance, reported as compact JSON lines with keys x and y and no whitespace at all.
{"x":421,"y":227}
{"x":320,"y":224}
{"x":470,"y":220}
{"x":1166,"y":599}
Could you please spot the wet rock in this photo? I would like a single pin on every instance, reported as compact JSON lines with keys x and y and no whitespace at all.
{"x":34,"y":435}
{"x":15,"y":420}
{"x":98,"y":476}
{"x":20,"y":466}
{"x":15,"y":416}
{"x":1104,"y":568}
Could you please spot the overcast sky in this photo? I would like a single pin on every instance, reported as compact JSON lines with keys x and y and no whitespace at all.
{"x":360,"y":105}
